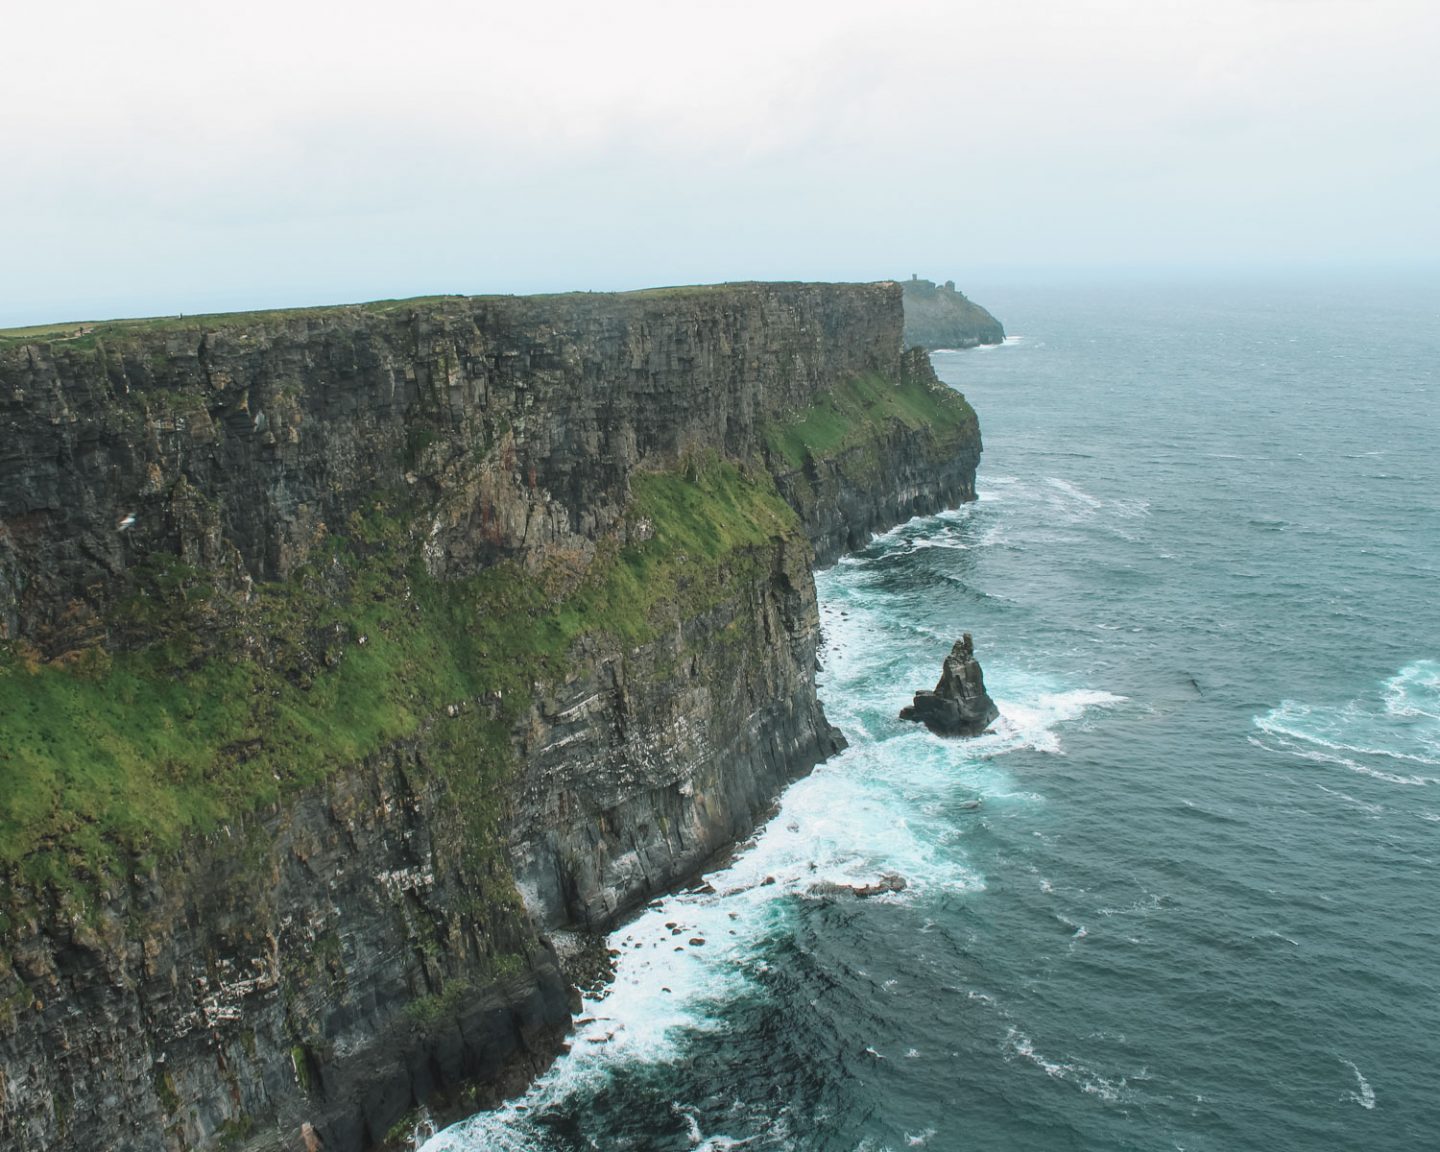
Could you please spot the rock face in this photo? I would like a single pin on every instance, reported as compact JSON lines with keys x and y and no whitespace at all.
{"x":871,"y":484}
{"x":645,"y":763}
{"x":516,"y":422}
{"x":959,"y":706}
{"x":278,"y":504}
{"x":937,"y":316}
{"x":310,"y":965}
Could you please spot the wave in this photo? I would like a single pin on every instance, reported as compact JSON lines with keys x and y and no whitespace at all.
{"x":1055,"y":501}
{"x":1008,"y":342}
{"x":1074,"y":492}
{"x":1415,"y":691}
{"x":1365,"y":1097}
{"x":1301,"y":753}
{"x":1391,"y":736}
{"x":1016,"y":1043}
{"x":1031,"y":723}
{"x":1373,"y":809}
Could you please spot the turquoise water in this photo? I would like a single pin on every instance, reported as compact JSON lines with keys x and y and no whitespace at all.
{"x":1197,"y":906}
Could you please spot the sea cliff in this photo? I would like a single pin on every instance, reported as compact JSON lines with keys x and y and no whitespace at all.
{"x":345,"y":653}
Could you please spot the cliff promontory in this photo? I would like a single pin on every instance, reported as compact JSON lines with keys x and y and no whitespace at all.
{"x":938,"y":316}
{"x":347,"y":653}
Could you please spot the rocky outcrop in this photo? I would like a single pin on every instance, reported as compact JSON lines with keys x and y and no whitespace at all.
{"x":938,"y":316}
{"x":959,"y":706}
{"x":476,"y":618}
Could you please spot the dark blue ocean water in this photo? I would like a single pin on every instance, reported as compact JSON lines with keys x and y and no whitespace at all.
{"x":1197,"y":907}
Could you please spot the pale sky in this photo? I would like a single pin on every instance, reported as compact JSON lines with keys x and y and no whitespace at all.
{"x":167,"y":157}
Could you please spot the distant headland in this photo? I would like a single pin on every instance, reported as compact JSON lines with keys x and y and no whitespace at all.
{"x":937,"y":316}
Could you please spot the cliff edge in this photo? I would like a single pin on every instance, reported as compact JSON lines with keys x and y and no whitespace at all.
{"x":345,"y":652}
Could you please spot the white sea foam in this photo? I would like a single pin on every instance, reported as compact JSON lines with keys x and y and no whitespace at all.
{"x":1151,"y":903}
{"x":1315,"y":756}
{"x":1040,"y":508}
{"x":1386,"y":737}
{"x":1415,"y":691}
{"x":1365,"y":1097}
{"x":1016,"y":1043}
{"x":1314,"y":726}
{"x":1032,"y":723}
{"x":1372,"y":808}
{"x":1074,"y":492}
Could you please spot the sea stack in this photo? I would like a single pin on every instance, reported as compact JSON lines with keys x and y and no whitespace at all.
{"x":959,"y":706}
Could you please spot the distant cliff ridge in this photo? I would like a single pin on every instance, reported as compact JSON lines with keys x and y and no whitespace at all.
{"x":346,"y":652}
{"x":937,"y":316}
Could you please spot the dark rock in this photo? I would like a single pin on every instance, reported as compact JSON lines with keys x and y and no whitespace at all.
{"x":888,"y":882}
{"x":959,"y":706}
{"x":586,"y":961}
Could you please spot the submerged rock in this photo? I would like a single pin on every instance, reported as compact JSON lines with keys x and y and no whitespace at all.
{"x":959,"y":706}
{"x":888,"y":882}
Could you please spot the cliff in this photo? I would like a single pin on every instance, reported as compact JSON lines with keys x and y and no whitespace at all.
{"x":937,"y":316}
{"x":346,"y":652}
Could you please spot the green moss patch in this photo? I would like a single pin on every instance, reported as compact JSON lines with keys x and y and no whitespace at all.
{"x":853,"y":410}
{"x":110,"y":759}
{"x":86,"y":333}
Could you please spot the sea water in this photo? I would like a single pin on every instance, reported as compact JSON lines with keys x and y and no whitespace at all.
{"x":1197,"y":905}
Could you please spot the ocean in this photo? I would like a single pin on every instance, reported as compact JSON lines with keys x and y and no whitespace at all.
{"x":1196,"y":907}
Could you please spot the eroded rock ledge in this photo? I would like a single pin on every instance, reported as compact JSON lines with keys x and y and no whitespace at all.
{"x":344,"y":652}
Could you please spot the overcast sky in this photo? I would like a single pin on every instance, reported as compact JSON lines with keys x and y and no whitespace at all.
{"x":165,"y":157}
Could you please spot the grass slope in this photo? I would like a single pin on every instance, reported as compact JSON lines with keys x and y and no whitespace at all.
{"x":109,"y":760}
{"x":850,"y":413}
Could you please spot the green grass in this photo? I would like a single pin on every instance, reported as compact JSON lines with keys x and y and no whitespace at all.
{"x":849,"y":414}
{"x":108,"y":760}
{"x":84,"y":334}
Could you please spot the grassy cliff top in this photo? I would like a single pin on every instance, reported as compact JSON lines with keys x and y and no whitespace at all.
{"x":85,"y":332}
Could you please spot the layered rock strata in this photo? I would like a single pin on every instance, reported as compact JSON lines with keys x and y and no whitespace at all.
{"x":959,"y":705}
{"x":346,"y":651}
